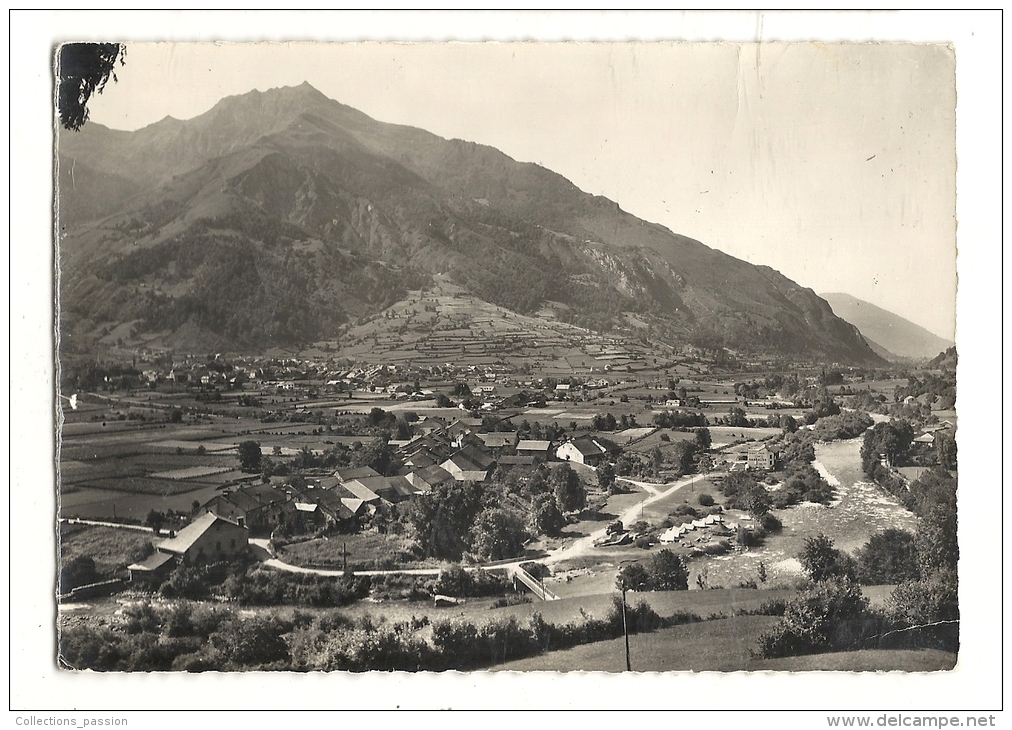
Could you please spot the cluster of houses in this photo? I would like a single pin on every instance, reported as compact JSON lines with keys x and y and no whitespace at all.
{"x":349,"y":497}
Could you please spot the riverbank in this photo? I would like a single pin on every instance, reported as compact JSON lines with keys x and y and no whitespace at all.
{"x":859,"y":510}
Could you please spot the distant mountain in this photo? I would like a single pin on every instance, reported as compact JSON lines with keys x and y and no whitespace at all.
{"x":281,"y":217}
{"x":886,"y":330}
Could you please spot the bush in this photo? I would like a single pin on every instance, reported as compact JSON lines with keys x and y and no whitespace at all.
{"x":832,"y":615}
{"x":821,"y":561}
{"x":888,"y":557}
{"x":79,"y":571}
{"x":461,"y":583}
{"x":668,"y":572}
{"x":705,"y":500}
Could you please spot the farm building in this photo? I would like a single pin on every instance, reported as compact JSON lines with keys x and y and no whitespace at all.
{"x":349,"y":473}
{"x":360,"y":488}
{"x":427,"y":479}
{"x":507,"y":462}
{"x":209,"y":537}
{"x":498,"y":440}
{"x":469,"y":465}
{"x":540,"y":450}
{"x":588,"y":450}
{"x":152,"y":570}
{"x":256,"y":506}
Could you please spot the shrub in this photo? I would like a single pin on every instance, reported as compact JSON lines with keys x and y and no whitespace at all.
{"x":668,"y":572}
{"x":822,"y":561}
{"x":705,"y":500}
{"x":831,"y":615}
{"x":888,"y":557}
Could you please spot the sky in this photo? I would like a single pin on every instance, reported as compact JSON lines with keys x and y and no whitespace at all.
{"x":833,"y":163}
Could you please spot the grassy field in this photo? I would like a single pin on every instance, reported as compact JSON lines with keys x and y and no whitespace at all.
{"x":722,"y":645}
{"x":366,"y":551}
{"x":865,"y":660}
{"x":110,"y":548}
{"x":101,"y":504}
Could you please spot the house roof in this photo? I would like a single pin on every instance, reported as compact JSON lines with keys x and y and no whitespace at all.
{"x":429,"y":477}
{"x":461,"y":462}
{"x":516,"y":460}
{"x":478,"y":456}
{"x":186,"y":537}
{"x":359,"y":490}
{"x":594,"y":446}
{"x":527,"y":445}
{"x":152,"y":563}
{"x":498,"y":439}
{"x":356,"y":473}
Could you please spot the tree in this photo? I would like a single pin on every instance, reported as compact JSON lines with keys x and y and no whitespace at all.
{"x":822,"y":561}
{"x":250,"y":456}
{"x":945,"y":450}
{"x":633,"y":577}
{"x":668,"y":572}
{"x":84,"y":69}
{"x":498,"y":533}
{"x":703,"y":439}
{"x":175,"y":416}
{"x":936,"y":540}
{"x":442,"y":401}
{"x":380,"y":456}
{"x":606,"y":476}
{"x":829,"y":615}
{"x":757,"y":501}
{"x":79,"y":571}
{"x":888,"y":557}
{"x":545,"y":516}
{"x":155,"y":520}
{"x":736,"y":417}
{"x":569,"y":492}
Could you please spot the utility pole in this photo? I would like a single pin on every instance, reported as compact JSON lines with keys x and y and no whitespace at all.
{"x":344,"y":551}
{"x":625,"y":630}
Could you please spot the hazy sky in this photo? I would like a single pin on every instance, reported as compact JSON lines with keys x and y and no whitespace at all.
{"x":833,"y":163}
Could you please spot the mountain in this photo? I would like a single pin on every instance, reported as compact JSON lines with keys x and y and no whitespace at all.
{"x":282,"y":217}
{"x":883,"y":329}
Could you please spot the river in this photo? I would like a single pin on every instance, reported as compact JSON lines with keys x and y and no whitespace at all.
{"x":859,"y":510}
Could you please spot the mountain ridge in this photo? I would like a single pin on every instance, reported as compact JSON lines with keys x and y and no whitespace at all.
{"x":288,"y":180}
{"x":898,"y":336}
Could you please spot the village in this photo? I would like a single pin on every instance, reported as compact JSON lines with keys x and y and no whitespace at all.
{"x":317,"y":472}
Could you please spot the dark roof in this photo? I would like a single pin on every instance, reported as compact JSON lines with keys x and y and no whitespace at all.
{"x":595,"y":445}
{"x":478,"y":456}
{"x":516,"y":460}
{"x":498,"y":439}
{"x":357,"y":472}
{"x":152,"y":563}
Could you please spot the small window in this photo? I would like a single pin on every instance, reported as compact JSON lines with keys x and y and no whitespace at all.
{"x":218,"y":546}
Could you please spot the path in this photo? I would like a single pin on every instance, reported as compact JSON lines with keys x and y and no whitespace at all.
{"x":573,"y":550}
{"x":118,"y":525}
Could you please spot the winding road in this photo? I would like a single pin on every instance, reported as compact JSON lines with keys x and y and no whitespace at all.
{"x":573,"y":550}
